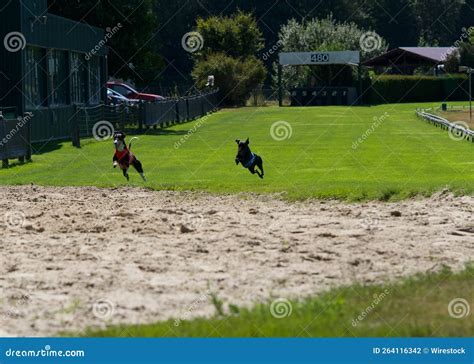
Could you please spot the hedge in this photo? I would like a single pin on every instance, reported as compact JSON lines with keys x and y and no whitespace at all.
{"x":399,"y":88}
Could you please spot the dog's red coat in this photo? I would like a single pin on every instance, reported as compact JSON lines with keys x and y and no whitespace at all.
{"x":125,"y":157}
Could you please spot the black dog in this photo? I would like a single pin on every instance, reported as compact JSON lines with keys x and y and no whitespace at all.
{"x":248,"y":159}
{"x":123,"y":157}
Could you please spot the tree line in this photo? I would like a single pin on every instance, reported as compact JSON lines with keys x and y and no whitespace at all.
{"x":149,"y":48}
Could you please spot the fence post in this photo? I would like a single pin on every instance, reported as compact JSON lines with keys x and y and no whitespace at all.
{"x":176,"y":110}
{"x":125,"y":110}
{"x":28,"y":138}
{"x":202,"y":105}
{"x":75,"y":133}
{"x":2,"y":133}
{"x":187,"y":108}
{"x":141,"y":116}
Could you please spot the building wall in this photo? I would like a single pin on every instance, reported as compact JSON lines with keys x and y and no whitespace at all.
{"x":52,"y":60}
{"x":10,"y":62}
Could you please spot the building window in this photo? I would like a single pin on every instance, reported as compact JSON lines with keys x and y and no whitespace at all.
{"x":35,"y":77}
{"x":78,"y":78}
{"x":94,"y":80}
{"x":58,"y":77}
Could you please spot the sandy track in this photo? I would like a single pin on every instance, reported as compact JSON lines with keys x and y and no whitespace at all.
{"x":77,"y":257}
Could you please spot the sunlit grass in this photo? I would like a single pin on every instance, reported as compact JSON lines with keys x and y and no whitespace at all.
{"x":416,"y":307}
{"x":353,"y":153}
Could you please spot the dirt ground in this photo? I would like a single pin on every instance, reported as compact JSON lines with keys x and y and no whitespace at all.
{"x":461,"y":116}
{"x":72,"y":258}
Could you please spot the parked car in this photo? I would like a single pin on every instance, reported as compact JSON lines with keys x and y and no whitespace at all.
{"x":130,"y":93}
{"x":113,"y":97}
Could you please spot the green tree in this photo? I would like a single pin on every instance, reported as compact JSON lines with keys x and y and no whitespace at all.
{"x":463,"y":55}
{"x":326,"y":35}
{"x":438,"y":21}
{"x":466,"y":50}
{"x":132,"y":53}
{"x":236,"y":78}
{"x":393,"y":20}
{"x":237,"y":35}
{"x":228,"y":52}
{"x":452,"y":62}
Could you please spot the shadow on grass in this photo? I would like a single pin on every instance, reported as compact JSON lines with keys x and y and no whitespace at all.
{"x":15,"y":163}
{"x":37,"y":149}
{"x":158,"y":131}
{"x":47,"y":147}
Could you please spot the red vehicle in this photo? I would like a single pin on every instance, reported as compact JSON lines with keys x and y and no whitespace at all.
{"x":128,"y":92}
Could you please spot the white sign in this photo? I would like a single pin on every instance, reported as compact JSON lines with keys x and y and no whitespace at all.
{"x":299,"y":58}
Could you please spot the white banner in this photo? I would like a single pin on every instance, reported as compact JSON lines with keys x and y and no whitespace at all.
{"x":299,"y":58}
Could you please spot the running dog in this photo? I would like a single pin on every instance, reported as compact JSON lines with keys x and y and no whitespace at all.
{"x":248,"y":159}
{"x":123,"y":157}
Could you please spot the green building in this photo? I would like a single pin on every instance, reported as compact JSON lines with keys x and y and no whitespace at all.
{"x":48,"y":66}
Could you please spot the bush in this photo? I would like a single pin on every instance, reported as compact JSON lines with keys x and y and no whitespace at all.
{"x":236,"y":78}
{"x":398,"y":88}
{"x":237,"y":35}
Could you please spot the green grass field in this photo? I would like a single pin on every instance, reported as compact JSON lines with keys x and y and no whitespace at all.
{"x":403,"y":156}
{"x":418,"y":306}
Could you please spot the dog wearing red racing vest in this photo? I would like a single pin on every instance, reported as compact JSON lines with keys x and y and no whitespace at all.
{"x":123,"y":157}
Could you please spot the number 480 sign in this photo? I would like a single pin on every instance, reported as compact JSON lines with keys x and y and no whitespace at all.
{"x":319,"y":57}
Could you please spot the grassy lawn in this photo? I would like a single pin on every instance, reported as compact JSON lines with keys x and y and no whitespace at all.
{"x":415,"y":307}
{"x":401,"y":155}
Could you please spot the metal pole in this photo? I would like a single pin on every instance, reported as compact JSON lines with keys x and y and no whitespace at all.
{"x":280,"y":92}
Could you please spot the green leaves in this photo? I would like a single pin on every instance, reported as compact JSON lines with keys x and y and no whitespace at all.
{"x":230,"y":46}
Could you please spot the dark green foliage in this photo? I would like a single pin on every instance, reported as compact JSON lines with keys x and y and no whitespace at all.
{"x":467,"y":50}
{"x":236,"y":78}
{"x":230,"y":46}
{"x":236,"y":36}
{"x":157,"y":26}
{"x":396,"y":88}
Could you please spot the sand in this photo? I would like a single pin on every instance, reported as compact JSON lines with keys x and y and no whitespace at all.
{"x":72,"y":258}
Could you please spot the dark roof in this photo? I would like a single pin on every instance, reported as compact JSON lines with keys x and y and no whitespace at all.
{"x":411,"y":56}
